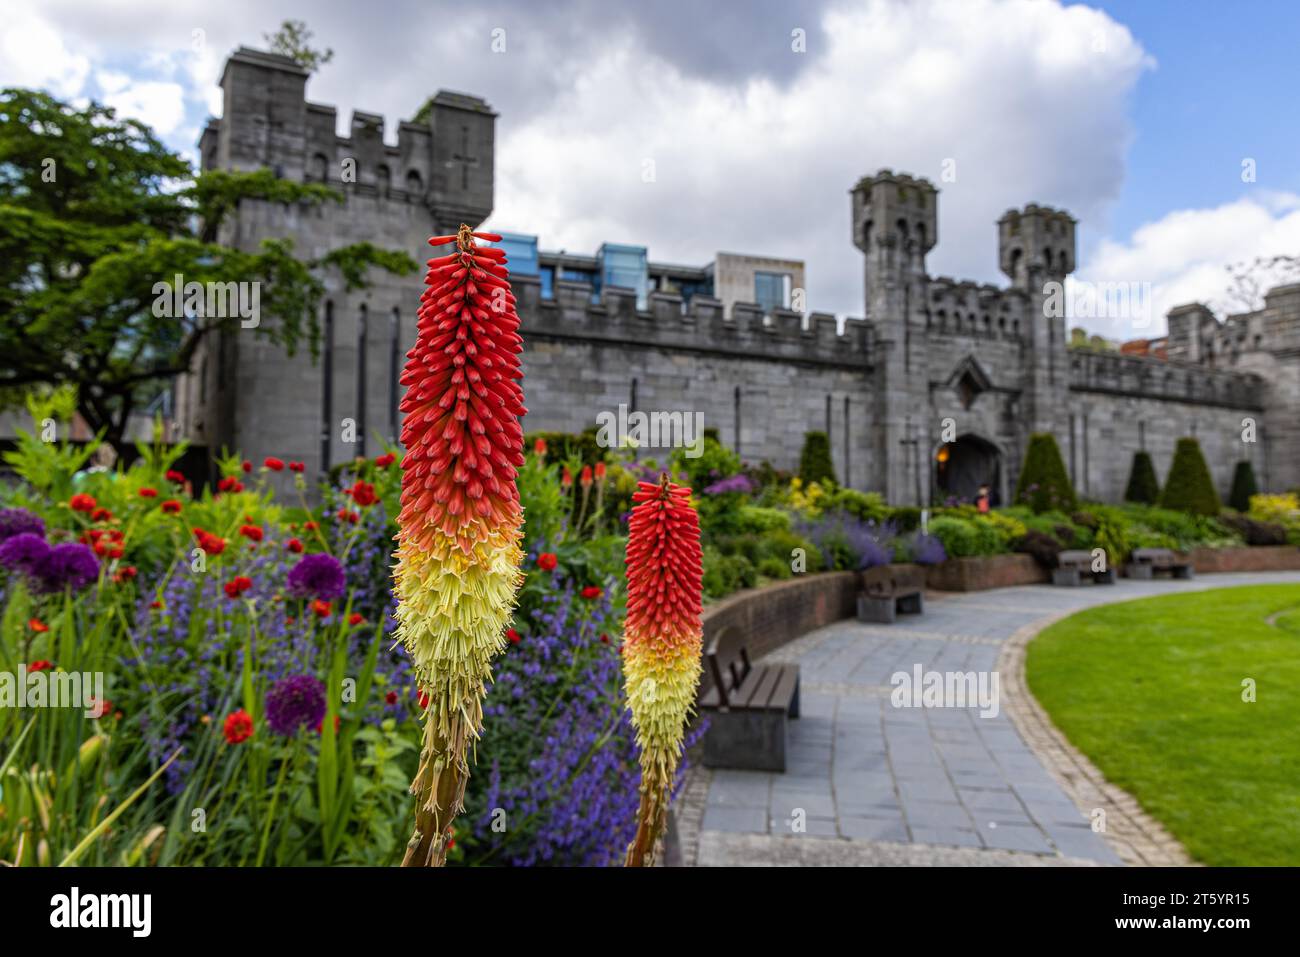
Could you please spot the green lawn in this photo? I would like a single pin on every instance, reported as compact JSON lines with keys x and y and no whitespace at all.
{"x":1151,"y":691}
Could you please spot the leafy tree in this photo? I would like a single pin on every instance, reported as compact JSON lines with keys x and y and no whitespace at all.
{"x":1243,"y":487}
{"x":815,"y":460}
{"x":292,"y":40}
{"x":95,"y":213}
{"x":1189,"y":487}
{"x":1044,"y":484}
{"x":1143,"y":486}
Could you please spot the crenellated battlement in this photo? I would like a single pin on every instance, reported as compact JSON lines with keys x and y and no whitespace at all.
{"x":1174,"y":381}
{"x":975,"y":309}
{"x":700,"y":328}
{"x":443,"y":158}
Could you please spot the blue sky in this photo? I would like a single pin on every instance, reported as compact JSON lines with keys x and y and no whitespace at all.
{"x":1225,"y":88}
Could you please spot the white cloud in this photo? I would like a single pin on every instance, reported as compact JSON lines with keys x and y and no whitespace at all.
{"x":1184,"y":255}
{"x":33,"y":54}
{"x":159,"y":104}
{"x":1013,"y":91}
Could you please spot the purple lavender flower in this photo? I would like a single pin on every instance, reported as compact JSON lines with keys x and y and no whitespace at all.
{"x":69,"y":565}
{"x":293,"y":702}
{"x":737,"y":483}
{"x":19,"y":521}
{"x":25,"y":553}
{"x":317,"y":576}
{"x":927,"y":549}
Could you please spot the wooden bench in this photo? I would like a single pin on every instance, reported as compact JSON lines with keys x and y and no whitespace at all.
{"x":747,"y":708}
{"x":1145,"y":562}
{"x":888,"y":590}
{"x":1075,"y":565}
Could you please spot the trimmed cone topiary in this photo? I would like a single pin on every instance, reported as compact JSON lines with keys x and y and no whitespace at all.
{"x":815,"y":460}
{"x":1189,"y":487}
{"x":1143,"y":486}
{"x":460,"y":526}
{"x":1243,"y":487}
{"x":1044,"y":484}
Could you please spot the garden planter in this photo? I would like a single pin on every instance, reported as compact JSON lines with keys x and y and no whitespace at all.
{"x":1259,"y":558}
{"x":989,"y":571}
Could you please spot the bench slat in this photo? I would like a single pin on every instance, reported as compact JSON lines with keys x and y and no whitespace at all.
{"x":753,"y":696}
{"x":783,"y":692}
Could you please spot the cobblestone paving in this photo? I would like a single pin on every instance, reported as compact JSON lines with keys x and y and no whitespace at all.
{"x":869,"y":783}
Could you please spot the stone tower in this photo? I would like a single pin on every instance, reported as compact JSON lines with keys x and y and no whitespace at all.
{"x":1036,"y":251}
{"x":895,"y":224}
{"x":244,"y":392}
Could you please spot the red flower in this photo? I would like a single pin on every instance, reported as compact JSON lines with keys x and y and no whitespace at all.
{"x":210,"y":543}
{"x":345,"y":516}
{"x":38,"y":626}
{"x":274,"y":464}
{"x":600,"y":471}
{"x":539,"y":448}
{"x":391,"y":697}
{"x":321,"y":608}
{"x":247,"y":466}
{"x":356,"y":618}
{"x":512,"y":636}
{"x":170,"y":507}
{"x":148,"y":493}
{"x":294,"y":546}
{"x":251,"y":531}
{"x":591,"y":591}
{"x":238,"y":585}
{"x":547,"y":561}
{"x":585,"y":478}
{"x":363,"y":493}
{"x":117,"y":551}
{"x":156,"y":605}
{"x":230,"y":484}
{"x":101,"y":515}
{"x":82,"y":503}
{"x":125,"y":574}
{"x":310,"y":526}
{"x":41,"y":665}
{"x":174,"y":476}
{"x":604,"y":638}
{"x":385,"y":460}
{"x":100,"y":708}
{"x":297,"y":467}
{"x":566,"y":478}
{"x":320,"y":725}
{"x":238,"y":727}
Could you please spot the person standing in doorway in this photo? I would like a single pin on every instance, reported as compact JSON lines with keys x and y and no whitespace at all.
{"x":982,"y":499}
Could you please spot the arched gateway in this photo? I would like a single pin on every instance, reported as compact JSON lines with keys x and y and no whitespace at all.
{"x":965,"y":464}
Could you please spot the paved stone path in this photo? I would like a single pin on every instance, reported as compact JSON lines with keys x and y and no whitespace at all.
{"x":868,"y":783}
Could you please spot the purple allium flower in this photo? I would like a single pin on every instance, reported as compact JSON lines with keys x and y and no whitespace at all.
{"x":25,"y":552}
{"x":69,"y":565}
{"x":737,"y":483}
{"x":19,"y":521}
{"x":295,"y":701}
{"x":317,"y":576}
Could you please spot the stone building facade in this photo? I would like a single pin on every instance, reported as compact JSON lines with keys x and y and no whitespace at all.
{"x":930,"y":394}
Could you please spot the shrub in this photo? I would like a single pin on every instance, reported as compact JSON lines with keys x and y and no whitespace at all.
{"x":958,"y":536}
{"x":907,"y":518}
{"x":1143,"y":486}
{"x":1253,"y":532}
{"x":815,"y":459}
{"x":774,"y":568}
{"x":1243,"y":487}
{"x":1042,"y":546}
{"x":1281,"y":510}
{"x":1044,"y":484}
{"x":753,"y":518}
{"x":868,"y":506}
{"x":1189,"y":487}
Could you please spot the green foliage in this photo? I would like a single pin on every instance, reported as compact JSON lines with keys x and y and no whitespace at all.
{"x":754,"y":518}
{"x":1044,"y":484}
{"x":1243,"y":487}
{"x":815,"y":460}
{"x":714,"y":463}
{"x":293,"y":40}
{"x":868,"y":506}
{"x":1143,"y":487}
{"x":97,"y":218}
{"x":1189,"y":487}
{"x":965,"y":538}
